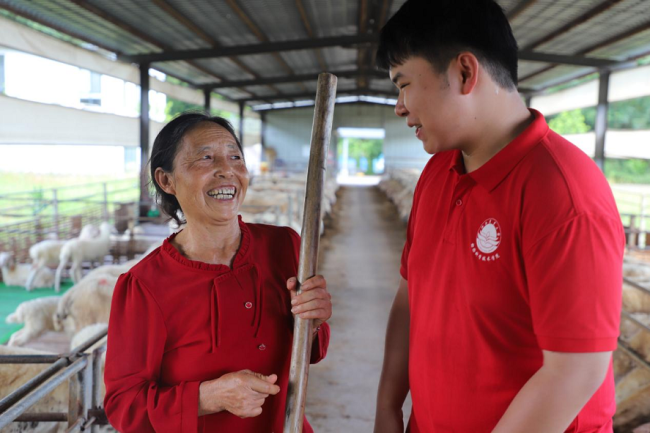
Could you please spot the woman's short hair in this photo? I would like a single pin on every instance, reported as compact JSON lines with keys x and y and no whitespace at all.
{"x":165,"y":149}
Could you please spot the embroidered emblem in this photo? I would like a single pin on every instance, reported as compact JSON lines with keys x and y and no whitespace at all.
{"x":488,"y":239}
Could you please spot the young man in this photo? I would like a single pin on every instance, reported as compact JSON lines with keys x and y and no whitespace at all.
{"x":508,"y":309}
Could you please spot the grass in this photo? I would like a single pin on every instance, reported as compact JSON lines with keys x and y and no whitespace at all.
{"x":12,"y":296}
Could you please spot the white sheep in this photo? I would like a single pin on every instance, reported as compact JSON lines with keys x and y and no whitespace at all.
{"x":37,"y":315}
{"x":17,"y":274}
{"x":86,"y":303}
{"x":79,"y":250}
{"x":47,"y":253}
{"x":13,"y":376}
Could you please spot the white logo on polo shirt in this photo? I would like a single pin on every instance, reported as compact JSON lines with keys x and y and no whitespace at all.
{"x":488,"y":239}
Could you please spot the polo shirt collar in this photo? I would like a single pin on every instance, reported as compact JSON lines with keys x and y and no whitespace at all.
{"x":490,"y":174}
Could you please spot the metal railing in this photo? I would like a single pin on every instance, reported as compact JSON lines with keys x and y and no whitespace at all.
{"x":638,"y":358}
{"x":82,"y":370}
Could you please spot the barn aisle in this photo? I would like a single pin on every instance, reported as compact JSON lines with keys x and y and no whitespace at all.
{"x":360,"y":259}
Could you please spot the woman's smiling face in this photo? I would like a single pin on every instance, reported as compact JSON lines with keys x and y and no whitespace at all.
{"x":209,"y":178}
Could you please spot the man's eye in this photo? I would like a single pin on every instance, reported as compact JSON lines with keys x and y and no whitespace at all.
{"x":403,"y":85}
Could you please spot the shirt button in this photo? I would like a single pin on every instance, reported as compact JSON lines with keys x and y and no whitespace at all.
{"x":248,"y":305}
{"x":261,"y":347}
{"x":459,"y":202}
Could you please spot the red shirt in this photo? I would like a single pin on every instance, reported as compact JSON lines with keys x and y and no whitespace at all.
{"x":522,"y":255}
{"x":176,"y":322}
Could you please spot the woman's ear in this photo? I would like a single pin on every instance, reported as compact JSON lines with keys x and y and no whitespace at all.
{"x":165,"y":181}
{"x":468,"y":67}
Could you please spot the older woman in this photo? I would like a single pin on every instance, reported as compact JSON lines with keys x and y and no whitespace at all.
{"x":200,"y":331}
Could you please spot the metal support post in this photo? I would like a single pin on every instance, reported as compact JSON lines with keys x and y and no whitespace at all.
{"x":207,"y":100}
{"x":241,"y":123}
{"x":144,"y":138}
{"x":601,"y":118}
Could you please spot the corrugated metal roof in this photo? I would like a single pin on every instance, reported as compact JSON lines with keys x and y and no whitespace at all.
{"x":597,"y":27}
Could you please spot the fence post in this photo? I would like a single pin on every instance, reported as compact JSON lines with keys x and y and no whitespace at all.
{"x":642,"y":226}
{"x":55,"y":210}
{"x":80,"y":393}
{"x":632,"y":235}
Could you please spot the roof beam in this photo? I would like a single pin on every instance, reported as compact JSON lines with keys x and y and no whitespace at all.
{"x":383,"y":15}
{"x":259,"y":34}
{"x":293,"y":79}
{"x":312,"y":95}
{"x":182,"y":19}
{"x":361,"y":51}
{"x":519,"y":9}
{"x":242,"y":50}
{"x":593,"y":12}
{"x":135,"y":32}
{"x":533,"y":56}
{"x":310,"y":33}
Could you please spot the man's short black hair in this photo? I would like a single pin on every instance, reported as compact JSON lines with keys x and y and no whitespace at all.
{"x":438,"y":30}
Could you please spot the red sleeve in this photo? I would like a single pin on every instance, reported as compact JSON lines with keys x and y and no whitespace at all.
{"x":135,"y":400}
{"x":411,"y":225}
{"x":320,"y":344}
{"x":574,"y":275}
{"x":322,"y":339}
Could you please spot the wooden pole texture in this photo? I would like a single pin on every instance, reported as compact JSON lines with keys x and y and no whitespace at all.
{"x":302,"y":329}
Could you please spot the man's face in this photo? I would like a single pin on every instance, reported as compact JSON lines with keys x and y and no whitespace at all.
{"x":428,"y":102}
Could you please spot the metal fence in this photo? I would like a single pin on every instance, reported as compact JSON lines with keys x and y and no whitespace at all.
{"x":82,"y":370}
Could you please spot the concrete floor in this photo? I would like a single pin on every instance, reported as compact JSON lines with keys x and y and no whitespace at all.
{"x":360,"y":258}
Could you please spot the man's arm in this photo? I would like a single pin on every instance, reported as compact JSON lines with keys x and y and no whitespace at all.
{"x":553,"y":397}
{"x":394,"y":382}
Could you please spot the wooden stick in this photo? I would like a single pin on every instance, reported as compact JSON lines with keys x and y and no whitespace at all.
{"x":302,"y":329}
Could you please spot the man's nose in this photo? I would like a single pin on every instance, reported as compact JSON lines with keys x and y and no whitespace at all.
{"x":400,"y":108}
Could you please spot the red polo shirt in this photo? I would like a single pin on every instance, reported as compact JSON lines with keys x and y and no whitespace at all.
{"x":177,"y":322}
{"x":522,"y":255}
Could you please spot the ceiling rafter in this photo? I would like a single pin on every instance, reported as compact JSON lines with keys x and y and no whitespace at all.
{"x":519,"y":9}
{"x":182,"y":19}
{"x":383,"y":16}
{"x":234,"y":5}
{"x":362,"y":30}
{"x":135,"y":32}
{"x":311,"y":95}
{"x":591,"y":13}
{"x":616,"y":38}
{"x":310,"y":33}
{"x":293,"y":79}
{"x":263,"y":48}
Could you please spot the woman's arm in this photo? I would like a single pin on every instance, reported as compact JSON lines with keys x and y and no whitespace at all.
{"x":241,"y":393}
{"x":135,"y":401}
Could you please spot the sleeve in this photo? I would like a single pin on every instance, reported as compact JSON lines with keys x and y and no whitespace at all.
{"x":320,"y":344}
{"x":135,"y":400}
{"x":574,"y":276}
{"x":411,"y":225}
{"x":322,"y":339}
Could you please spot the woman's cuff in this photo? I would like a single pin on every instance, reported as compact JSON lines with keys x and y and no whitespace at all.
{"x":190,"y":407}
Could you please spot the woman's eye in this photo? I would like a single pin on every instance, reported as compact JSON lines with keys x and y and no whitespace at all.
{"x":206,"y":157}
{"x":236,"y":157}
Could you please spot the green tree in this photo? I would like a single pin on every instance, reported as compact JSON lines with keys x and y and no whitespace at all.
{"x":370,"y":149}
{"x":569,"y":122}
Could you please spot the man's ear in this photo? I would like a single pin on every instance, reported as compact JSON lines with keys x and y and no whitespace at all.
{"x":468,"y":69}
{"x":165,"y":181}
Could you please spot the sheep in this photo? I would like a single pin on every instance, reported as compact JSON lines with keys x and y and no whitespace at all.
{"x":17,"y":274}
{"x":13,"y":376}
{"x":46,"y":253}
{"x":36,"y":315}
{"x":86,"y":303}
{"x":79,"y":250}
